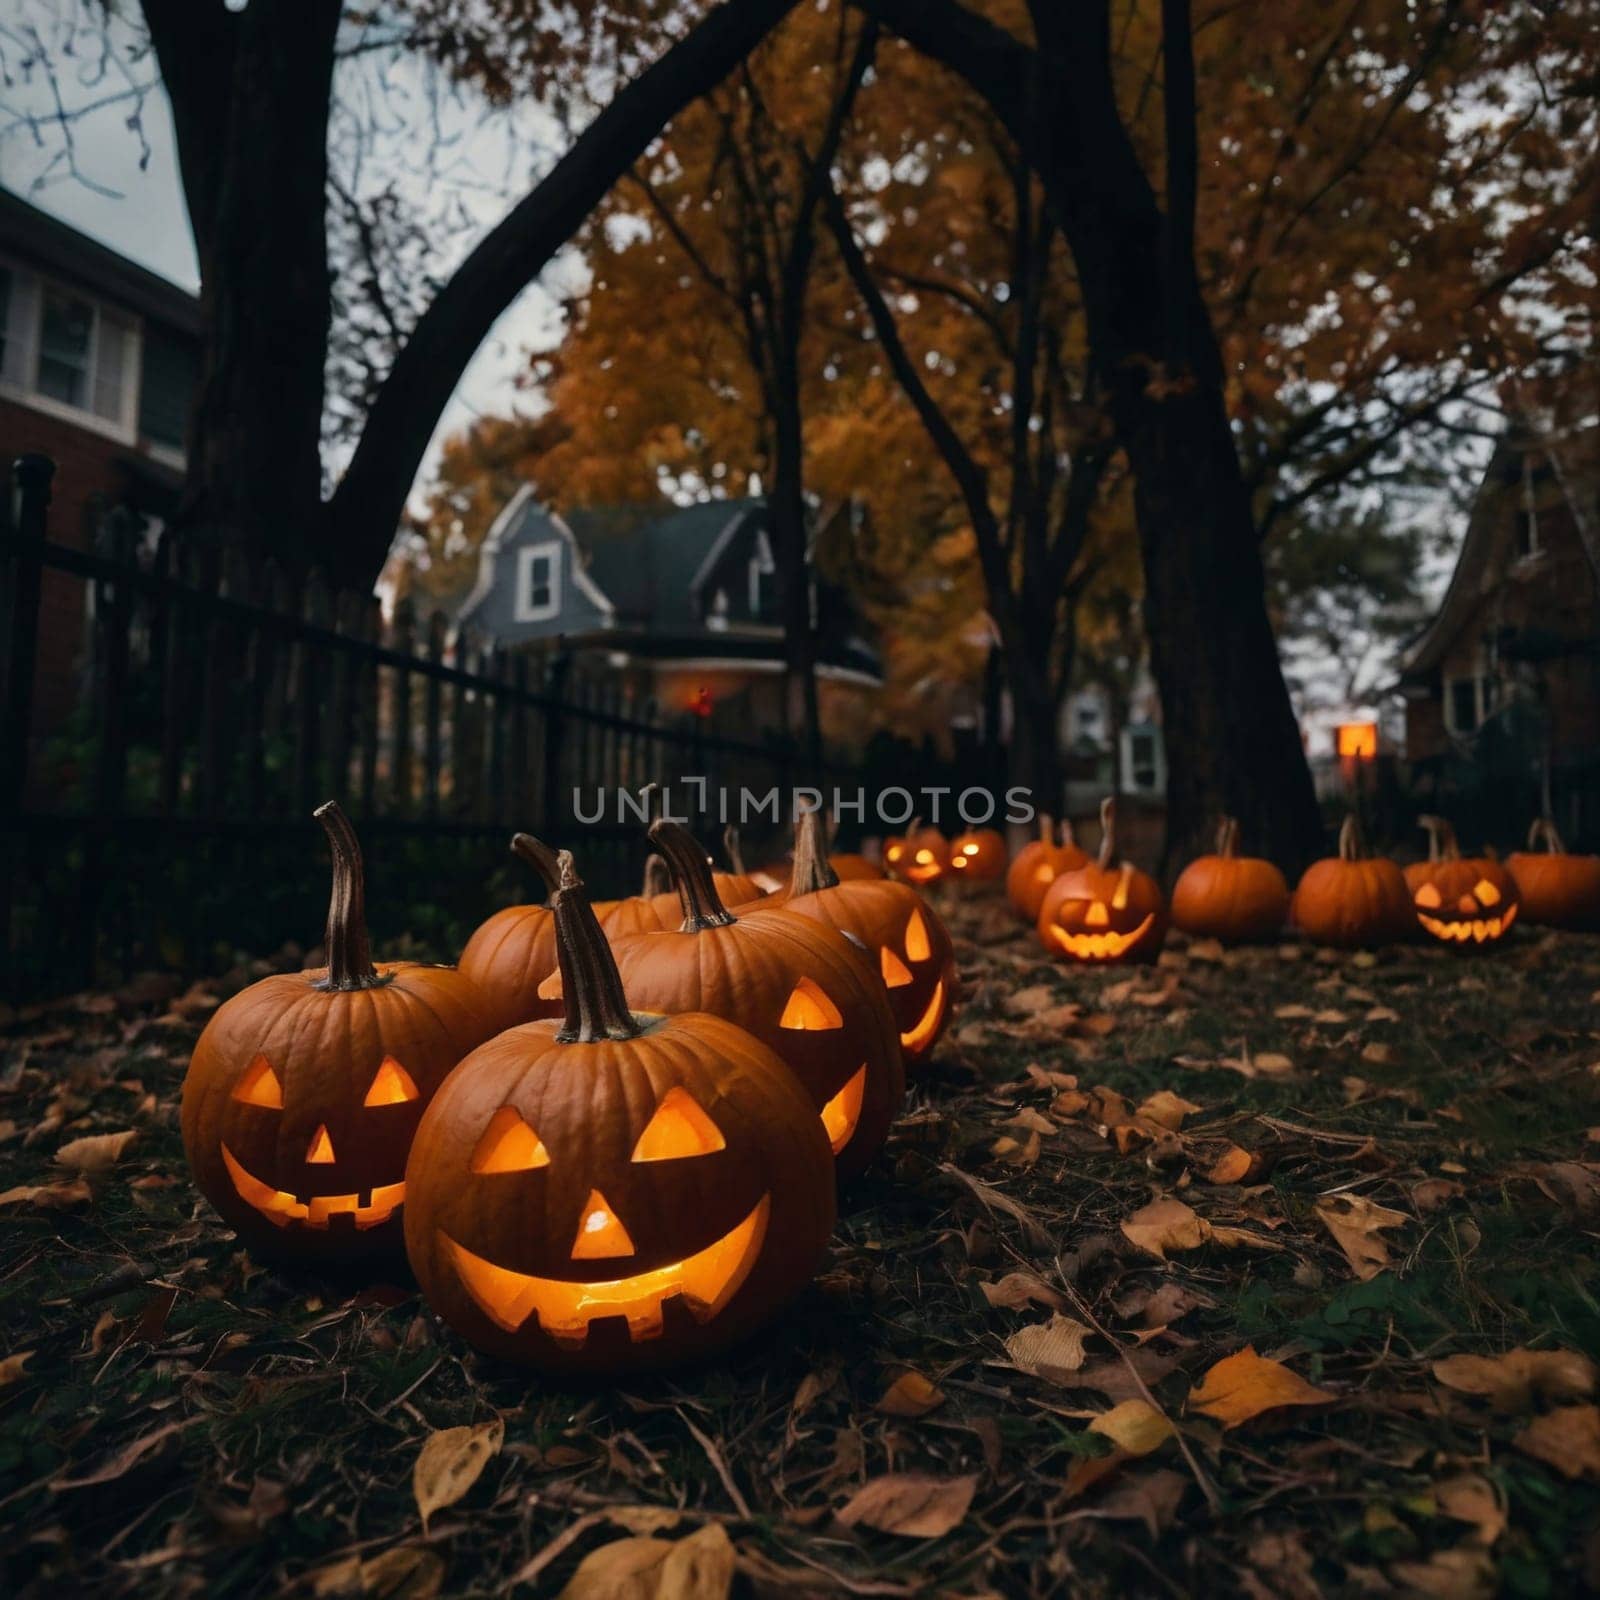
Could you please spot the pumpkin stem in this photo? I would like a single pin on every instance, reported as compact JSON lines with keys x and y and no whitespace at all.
{"x":1064,"y":833}
{"x":1543,"y":831}
{"x":691,"y":873}
{"x":590,"y":984}
{"x":1108,"y":831}
{"x":1227,"y":837}
{"x":657,"y":880}
{"x":349,"y":954}
{"x":1350,"y":844}
{"x":812,"y":869}
{"x":1442,"y":844}
{"x":1047,"y":827}
{"x":730,"y":843}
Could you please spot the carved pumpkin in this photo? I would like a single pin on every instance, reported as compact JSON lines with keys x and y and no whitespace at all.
{"x":305,"y":1089}
{"x":1038,"y":864}
{"x":1557,"y":890}
{"x":615,"y":1191}
{"x":1100,"y":912}
{"x":919,"y":857}
{"x":979,"y":855}
{"x":1349,"y":901}
{"x":1237,"y":899}
{"x":802,"y":989}
{"x":900,"y":932}
{"x":1466,"y":902}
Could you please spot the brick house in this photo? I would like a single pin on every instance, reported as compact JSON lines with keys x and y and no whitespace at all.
{"x":1502,"y":688}
{"x":97,"y":366}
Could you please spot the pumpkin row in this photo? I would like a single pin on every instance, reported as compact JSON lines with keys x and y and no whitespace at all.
{"x":1099,"y":911}
{"x":606,"y":1142}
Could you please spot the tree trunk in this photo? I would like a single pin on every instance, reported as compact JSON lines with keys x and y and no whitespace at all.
{"x":789,"y":538}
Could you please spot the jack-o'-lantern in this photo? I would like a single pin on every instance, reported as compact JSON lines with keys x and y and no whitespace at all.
{"x":1349,"y":901}
{"x":1038,"y":864}
{"x":978,"y":855}
{"x":919,"y":857}
{"x":1103,"y":912}
{"x":1468,"y":902}
{"x":305,"y":1089}
{"x":615,"y":1191}
{"x":802,"y":989}
{"x":1557,"y":890}
{"x":900,"y":932}
{"x":1226,"y":896}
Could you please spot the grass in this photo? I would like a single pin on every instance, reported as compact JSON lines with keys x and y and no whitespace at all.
{"x":187,"y":1421}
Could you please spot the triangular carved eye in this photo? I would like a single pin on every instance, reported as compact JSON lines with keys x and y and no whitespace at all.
{"x":1120,"y":898}
{"x":259,"y":1086}
{"x":509,"y":1145}
{"x":896,"y":974}
{"x":809,"y":1009}
{"x":917,"y":946}
{"x":680,"y":1127}
{"x":391,"y":1086}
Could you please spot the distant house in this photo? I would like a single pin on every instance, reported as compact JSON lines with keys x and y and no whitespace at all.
{"x":680,"y":604}
{"x":1503,"y":686}
{"x":98,"y":360}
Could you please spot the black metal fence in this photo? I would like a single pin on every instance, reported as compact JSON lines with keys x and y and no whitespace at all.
{"x":155,"y":794}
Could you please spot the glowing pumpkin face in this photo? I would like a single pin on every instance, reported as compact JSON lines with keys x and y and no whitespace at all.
{"x":617,"y":1191}
{"x":979,"y":856}
{"x":1102,"y":913}
{"x":920,"y":857}
{"x":1466,"y":903}
{"x":1038,"y":864}
{"x":304,"y":1090}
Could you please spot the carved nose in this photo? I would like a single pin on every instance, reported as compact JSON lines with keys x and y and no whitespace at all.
{"x":320,"y":1150}
{"x":600,"y":1231}
{"x":1096,"y":916}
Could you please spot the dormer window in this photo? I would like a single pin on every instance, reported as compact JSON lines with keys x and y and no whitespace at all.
{"x":538,"y":593}
{"x":762,"y":568}
{"x":717,"y":612}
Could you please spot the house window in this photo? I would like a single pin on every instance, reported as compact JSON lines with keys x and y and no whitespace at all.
{"x":1142,"y":749}
{"x":539,"y":581}
{"x":717,"y":615}
{"x":762,"y":568}
{"x":1469,"y":702}
{"x":63,"y":351}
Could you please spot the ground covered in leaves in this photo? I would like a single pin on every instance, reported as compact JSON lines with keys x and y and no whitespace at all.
{"x":1261,"y":1273}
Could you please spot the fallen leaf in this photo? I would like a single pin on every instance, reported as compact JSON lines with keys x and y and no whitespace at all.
{"x":1567,"y":1439}
{"x":910,"y":1395}
{"x":121,"y":1461}
{"x":50,"y":1196}
{"x":1432,"y":1193}
{"x":1511,"y":1382}
{"x":1273,"y":1064}
{"x":1464,"y":1573}
{"x":913,"y":1504}
{"x":1355,"y":1221}
{"x":1016,"y":1291}
{"x":1167,"y":1109}
{"x":1050,"y":1349}
{"x":1152,"y":1498}
{"x":98,"y":1152}
{"x":645,"y":1519}
{"x":1234,"y":1165}
{"x":1243,"y":1385}
{"x":698,"y":1567}
{"x":1472,"y":1498}
{"x":1027,"y":1001}
{"x":407,"y":1572}
{"x":450,"y":1462}
{"x":1165,"y":1225}
{"x":11,"y":1367}
{"x":1135,"y":1428}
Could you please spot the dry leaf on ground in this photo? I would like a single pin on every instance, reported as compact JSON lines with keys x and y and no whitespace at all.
{"x":1165,"y":1225}
{"x":1511,"y":1382}
{"x":407,"y":1572}
{"x":1465,"y":1573}
{"x":913,"y":1504}
{"x":699,"y":1567}
{"x":1135,"y":1428}
{"x":1016,"y":1291}
{"x":97,"y":1152}
{"x":1472,"y":1498}
{"x":1355,"y":1221}
{"x":1052,"y":1349}
{"x":910,"y":1395}
{"x":50,"y":1196}
{"x":1167,"y":1109}
{"x":1235,"y":1165}
{"x":11,"y":1367}
{"x":450,"y":1462}
{"x":1567,"y":1439}
{"x":1243,"y":1385}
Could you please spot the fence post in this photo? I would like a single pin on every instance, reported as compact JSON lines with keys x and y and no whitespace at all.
{"x":33,"y":476}
{"x":555,"y":688}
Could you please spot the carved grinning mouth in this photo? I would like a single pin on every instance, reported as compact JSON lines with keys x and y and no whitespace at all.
{"x":928,"y":1023}
{"x":706,"y":1281}
{"x":1100,"y":946}
{"x":281,"y":1208}
{"x":1478,"y":929}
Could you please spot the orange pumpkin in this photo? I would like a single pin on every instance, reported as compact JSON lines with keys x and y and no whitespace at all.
{"x":1467,"y":902}
{"x":920,"y":856}
{"x":304,"y":1090}
{"x":802,"y":989}
{"x":1349,"y":901}
{"x":616,"y":1191}
{"x":1038,"y":864}
{"x":1557,"y":890}
{"x":1100,"y":913}
{"x":979,"y":855}
{"x":901,"y":933}
{"x":1237,"y":899}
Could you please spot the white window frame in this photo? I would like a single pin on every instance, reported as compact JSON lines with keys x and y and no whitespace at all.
{"x":124,"y":429}
{"x":549,"y":551}
{"x":761,"y":565}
